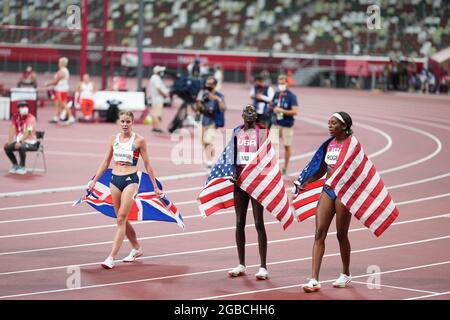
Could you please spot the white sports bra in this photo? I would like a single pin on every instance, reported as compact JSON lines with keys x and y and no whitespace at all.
{"x":63,"y":84}
{"x":125,"y":153}
{"x":87,"y":90}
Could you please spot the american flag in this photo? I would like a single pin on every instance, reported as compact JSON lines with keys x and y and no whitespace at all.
{"x":261,"y":179}
{"x":147,"y":205}
{"x":356,"y":183}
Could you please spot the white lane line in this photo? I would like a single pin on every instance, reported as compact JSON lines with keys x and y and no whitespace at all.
{"x":91,"y":154}
{"x":74,"y":215}
{"x":93,"y":141}
{"x":408,"y":128}
{"x":114,"y":225}
{"x":412,"y":183}
{"x":196,"y":174}
{"x":182,"y":275}
{"x":223,"y":248}
{"x":40,"y":205}
{"x":83,"y":187}
{"x":365,"y":126}
{"x":141,"y":222}
{"x":429,"y":296}
{"x":204,"y":173}
{"x":395,"y":287}
{"x":325,"y":281}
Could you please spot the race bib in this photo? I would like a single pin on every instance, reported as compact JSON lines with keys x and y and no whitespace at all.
{"x":245,"y":157}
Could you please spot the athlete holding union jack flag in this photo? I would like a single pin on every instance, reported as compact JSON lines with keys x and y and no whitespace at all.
{"x":127,"y":191}
{"x":351,"y":186}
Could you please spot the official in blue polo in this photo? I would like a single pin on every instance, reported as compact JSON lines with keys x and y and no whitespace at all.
{"x":285,"y":109}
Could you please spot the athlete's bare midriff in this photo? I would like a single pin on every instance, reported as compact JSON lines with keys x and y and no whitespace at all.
{"x":123,"y":170}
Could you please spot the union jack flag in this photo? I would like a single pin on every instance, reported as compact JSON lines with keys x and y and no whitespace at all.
{"x":147,"y":205}
{"x":260,"y":178}
{"x":355,"y":182}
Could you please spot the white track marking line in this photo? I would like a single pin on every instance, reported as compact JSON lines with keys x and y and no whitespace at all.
{"x":196,"y":174}
{"x":93,"y":141}
{"x":193,"y":201}
{"x":83,"y":187}
{"x":412,"y":183}
{"x":90,"y":154}
{"x":362,"y":125}
{"x":408,"y":128}
{"x":395,"y":287}
{"x":219,"y":248}
{"x":325,"y":281}
{"x":141,"y":222}
{"x":252,"y":266}
{"x":429,"y":296}
{"x":76,"y":214}
{"x":114,"y":225}
{"x":40,"y":205}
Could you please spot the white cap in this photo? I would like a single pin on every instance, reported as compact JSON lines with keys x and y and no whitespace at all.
{"x":158,"y":69}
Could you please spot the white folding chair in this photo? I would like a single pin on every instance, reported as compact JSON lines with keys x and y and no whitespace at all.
{"x":39,"y":152}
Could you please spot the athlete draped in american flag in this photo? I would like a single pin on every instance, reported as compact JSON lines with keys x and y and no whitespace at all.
{"x":125,"y":147}
{"x":351,"y":186}
{"x":248,"y":171}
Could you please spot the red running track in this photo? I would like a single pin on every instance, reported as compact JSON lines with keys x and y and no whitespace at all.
{"x":407,"y":136}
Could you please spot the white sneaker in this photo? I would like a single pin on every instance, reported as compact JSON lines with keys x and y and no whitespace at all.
{"x":14,"y":168}
{"x":70,"y":120}
{"x":312,"y":286}
{"x":238,"y":271}
{"x":134,"y":254}
{"x":108,"y":263}
{"x":21,"y":170}
{"x":343,"y":281}
{"x":262,"y":274}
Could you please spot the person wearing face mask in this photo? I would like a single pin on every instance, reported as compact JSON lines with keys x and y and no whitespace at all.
{"x":211,"y":104}
{"x":158,"y":92}
{"x":21,"y":137}
{"x":285,"y":109}
{"x":262,"y":96}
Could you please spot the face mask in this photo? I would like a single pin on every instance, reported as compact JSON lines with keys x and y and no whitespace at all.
{"x":23,"y":111}
{"x":282,"y":87}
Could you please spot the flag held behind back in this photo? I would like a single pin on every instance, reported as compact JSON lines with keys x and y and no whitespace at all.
{"x":261,"y":179}
{"x":147,"y":205}
{"x":356,"y":183}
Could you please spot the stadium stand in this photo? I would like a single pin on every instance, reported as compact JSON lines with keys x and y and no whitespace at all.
{"x":412,"y":28}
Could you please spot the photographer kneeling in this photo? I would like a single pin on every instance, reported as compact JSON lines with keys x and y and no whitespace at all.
{"x":211,"y":106}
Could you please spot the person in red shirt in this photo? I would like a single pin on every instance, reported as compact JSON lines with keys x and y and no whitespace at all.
{"x":21,"y":137}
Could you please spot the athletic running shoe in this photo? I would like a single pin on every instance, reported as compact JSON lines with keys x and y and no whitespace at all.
{"x":14,"y":168}
{"x":343,"y":281}
{"x":108,"y":263}
{"x":312,"y":286}
{"x":21,"y":170}
{"x":284,"y":172}
{"x":54,"y":120}
{"x":157,"y":131}
{"x":262,"y":274}
{"x":70,"y":120}
{"x":238,"y":271}
{"x":134,"y":254}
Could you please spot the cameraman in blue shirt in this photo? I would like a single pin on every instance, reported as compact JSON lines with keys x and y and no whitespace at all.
{"x":211,"y":105}
{"x":285,"y":109}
